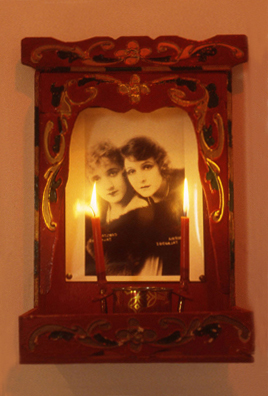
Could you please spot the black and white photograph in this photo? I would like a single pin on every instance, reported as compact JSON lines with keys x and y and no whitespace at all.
{"x":138,"y":163}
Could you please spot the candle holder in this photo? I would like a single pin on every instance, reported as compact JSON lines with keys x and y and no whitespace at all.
{"x":108,"y":111}
{"x":131,"y":299}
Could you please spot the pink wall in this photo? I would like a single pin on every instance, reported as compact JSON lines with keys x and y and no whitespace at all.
{"x":76,"y":20}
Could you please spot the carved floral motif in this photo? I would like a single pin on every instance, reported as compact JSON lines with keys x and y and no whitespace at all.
{"x":134,"y":89}
{"x":136,"y":336}
{"x":133,"y":53}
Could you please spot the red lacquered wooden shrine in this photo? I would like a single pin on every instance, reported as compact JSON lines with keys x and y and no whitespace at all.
{"x":67,"y":325}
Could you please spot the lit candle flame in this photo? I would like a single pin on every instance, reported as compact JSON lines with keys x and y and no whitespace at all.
{"x":185,"y":198}
{"x":93,"y":202}
{"x":85,"y":208}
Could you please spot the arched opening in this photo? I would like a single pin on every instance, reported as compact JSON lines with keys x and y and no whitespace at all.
{"x":173,"y":130}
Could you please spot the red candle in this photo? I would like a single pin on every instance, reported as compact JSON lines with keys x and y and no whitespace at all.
{"x":185,"y":253}
{"x":98,"y":247}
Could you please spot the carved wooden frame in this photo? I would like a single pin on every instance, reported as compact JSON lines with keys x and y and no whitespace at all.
{"x":65,"y":326}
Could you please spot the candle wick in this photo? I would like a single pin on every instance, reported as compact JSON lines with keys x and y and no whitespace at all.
{"x":93,"y":211}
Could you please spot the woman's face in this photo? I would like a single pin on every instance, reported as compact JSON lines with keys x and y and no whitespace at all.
{"x":144,"y":176}
{"x":110,"y":181}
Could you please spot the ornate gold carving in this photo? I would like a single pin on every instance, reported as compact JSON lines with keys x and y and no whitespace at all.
{"x":201,"y":51}
{"x":73,"y":53}
{"x":136,"y":336}
{"x":65,"y":111}
{"x":165,"y":46}
{"x":214,"y":152}
{"x":58,"y":157}
{"x":132,"y":54}
{"x":200,"y":104}
{"x":191,"y":50}
{"x":134,"y":89}
{"x":209,"y":327}
{"x":210,"y":153}
{"x":37,"y":54}
{"x":86,"y":337}
{"x":50,"y":174}
{"x":215,"y":170}
{"x":66,"y":102}
{"x":46,"y":209}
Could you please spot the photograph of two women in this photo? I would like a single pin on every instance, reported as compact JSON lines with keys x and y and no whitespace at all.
{"x":138,"y":163}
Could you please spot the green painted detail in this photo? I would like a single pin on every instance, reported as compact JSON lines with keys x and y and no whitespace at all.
{"x":53,"y":190}
{"x":211,"y":177}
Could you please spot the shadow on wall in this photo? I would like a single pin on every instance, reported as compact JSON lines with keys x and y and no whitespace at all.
{"x":240,"y":186}
{"x":120,"y":380}
{"x":25,"y":85}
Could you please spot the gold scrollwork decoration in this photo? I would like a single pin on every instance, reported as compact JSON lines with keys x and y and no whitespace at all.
{"x":210,"y":153}
{"x":50,"y":174}
{"x":200,"y":104}
{"x":46,"y":209}
{"x":37,"y":54}
{"x":214,"y":152}
{"x":58,"y":157}
{"x":132,"y":53}
{"x":65,"y":110}
{"x":194,"y":49}
{"x":216,"y":182}
{"x":202,"y":51}
{"x":66,"y":102}
{"x":165,"y":46}
{"x":175,"y":332}
{"x":74,"y":52}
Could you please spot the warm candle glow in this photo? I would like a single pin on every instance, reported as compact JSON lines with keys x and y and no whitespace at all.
{"x":186,"y":198}
{"x":85,"y":208}
{"x":82,"y":207}
{"x":93,"y":202}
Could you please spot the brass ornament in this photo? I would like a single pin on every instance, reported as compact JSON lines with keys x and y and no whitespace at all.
{"x":137,"y":303}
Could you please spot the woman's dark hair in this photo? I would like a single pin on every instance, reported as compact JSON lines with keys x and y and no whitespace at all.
{"x":102,"y":150}
{"x":141,"y":148}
